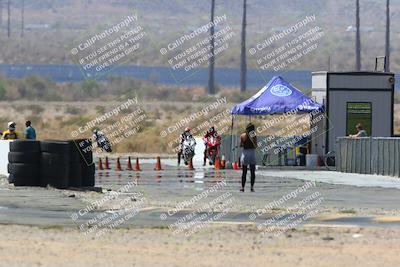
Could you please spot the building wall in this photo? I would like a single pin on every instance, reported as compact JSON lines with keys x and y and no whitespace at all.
{"x":351,"y":87}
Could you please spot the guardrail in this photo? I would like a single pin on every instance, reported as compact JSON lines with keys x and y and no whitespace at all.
{"x":368,"y":155}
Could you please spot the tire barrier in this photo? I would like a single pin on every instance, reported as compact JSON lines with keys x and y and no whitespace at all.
{"x":54,"y":163}
{"x":60,"y":164}
{"x":82,"y":147}
{"x":24,"y":163}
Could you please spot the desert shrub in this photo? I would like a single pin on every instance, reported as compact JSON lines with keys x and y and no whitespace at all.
{"x":73,"y":110}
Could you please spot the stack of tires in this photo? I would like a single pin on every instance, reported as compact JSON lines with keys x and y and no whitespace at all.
{"x":55,"y":164}
{"x":24,"y":163}
{"x":83,"y":148}
{"x":75,"y":169}
{"x":60,"y":164}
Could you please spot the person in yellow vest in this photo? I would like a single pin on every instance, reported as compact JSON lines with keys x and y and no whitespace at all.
{"x":10,"y":134}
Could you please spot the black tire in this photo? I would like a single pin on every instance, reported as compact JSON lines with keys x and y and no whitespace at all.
{"x":25,"y":146}
{"x":54,"y":175}
{"x":55,"y":147}
{"x":10,"y":178}
{"x":22,"y":174}
{"x":88,"y":170}
{"x":24,"y":169}
{"x":81,"y":148}
{"x":75,"y":175}
{"x":88,"y":181}
{"x":24,"y":157}
{"x":26,"y":181}
{"x":86,"y":160}
{"x":74,"y":154}
{"x":49,"y":159}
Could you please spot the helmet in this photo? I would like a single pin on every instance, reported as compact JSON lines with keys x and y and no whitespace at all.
{"x":211,"y":130}
{"x":11,"y":125}
{"x":94,"y":131}
{"x":187,"y":129}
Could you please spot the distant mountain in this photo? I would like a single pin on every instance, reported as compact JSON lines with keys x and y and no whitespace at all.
{"x":54,"y":26}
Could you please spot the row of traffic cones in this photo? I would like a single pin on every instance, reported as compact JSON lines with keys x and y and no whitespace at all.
{"x":118,"y":165}
{"x":218,"y":164}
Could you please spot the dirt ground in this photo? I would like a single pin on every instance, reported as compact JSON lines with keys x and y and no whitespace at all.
{"x":217,"y":246}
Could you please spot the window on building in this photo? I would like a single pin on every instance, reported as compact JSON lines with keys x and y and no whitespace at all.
{"x":359,"y":112}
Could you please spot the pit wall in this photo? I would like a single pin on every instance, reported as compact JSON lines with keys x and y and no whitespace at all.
{"x":369,"y":155}
{"x":4,"y":149}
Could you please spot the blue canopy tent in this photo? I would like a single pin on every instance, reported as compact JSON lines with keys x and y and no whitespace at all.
{"x":277,"y":97}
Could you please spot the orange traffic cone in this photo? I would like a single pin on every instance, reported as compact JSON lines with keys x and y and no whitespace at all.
{"x":217,"y":163}
{"x":129,"y":167}
{"x":223,"y":162}
{"x":137,"y":166}
{"x":191,"y":164}
{"x":158,"y":164}
{"x":118,"y":168}
{"x":235,"y":166}
{"x":106,"y":164}
{"x":100,"y":165}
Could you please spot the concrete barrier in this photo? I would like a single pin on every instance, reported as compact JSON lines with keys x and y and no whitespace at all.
{"x":4,"y":149}
{"x":369,"y":155}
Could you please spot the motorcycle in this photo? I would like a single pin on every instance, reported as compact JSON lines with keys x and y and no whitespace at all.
{"x":213,"y":144}
{"x":188,"y":147}
{"x":102,"y":141}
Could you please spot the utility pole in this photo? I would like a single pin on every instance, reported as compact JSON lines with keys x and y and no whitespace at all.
{"x":243,"y":65}
{"x":9,"y":19}
{"x":1,"y":13}
{"x":211,"y":85}
{"x":358,"y":41}
{"x":22,"y":18}
{"x":387,"y":42}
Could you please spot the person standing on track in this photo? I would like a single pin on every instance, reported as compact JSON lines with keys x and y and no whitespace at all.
{"x":248,"y":140}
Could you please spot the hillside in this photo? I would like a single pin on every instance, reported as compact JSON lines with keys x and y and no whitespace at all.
{"x":53,"y":27}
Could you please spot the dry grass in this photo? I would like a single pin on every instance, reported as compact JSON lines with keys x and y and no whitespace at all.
{"x":56,"y":120}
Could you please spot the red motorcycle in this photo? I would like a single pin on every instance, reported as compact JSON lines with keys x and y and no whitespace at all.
{"x":212,"y":143}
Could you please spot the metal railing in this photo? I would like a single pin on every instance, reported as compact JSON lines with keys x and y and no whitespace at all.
{"x":368,"y":155}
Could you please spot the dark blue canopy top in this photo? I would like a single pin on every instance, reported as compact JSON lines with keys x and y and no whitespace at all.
{"x":278,"y":96}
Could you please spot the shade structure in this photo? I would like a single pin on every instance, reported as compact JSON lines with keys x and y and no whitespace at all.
{"x":278,"y":96}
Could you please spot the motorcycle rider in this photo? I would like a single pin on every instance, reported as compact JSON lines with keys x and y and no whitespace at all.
{"x":211,"y":132}
{"x":187,"y":134}
{"x":102,"y":141}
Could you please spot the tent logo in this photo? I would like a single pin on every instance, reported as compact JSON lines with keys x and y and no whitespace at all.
{"x":281,"y":90}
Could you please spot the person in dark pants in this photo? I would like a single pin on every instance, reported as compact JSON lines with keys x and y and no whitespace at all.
{"x":248,"y":140}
